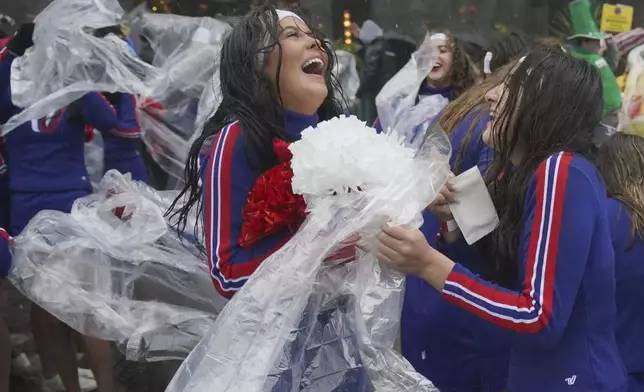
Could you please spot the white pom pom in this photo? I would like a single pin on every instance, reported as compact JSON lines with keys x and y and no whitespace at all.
{"x":344,"y":155}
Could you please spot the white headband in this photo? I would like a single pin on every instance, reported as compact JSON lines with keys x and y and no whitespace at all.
{"x":486,"y":63}
{"x":438,"y":36}
{"x":281,"y":14}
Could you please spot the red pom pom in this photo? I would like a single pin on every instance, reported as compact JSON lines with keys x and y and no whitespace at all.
{"x":271,"y":205}
{"x":281,"y":150}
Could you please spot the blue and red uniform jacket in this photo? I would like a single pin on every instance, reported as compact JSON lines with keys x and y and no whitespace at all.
{"x":629,"y":273}
{"x":122,"y":148}
{"x":455,"y":349}
{"x":47,"y":155}
{"x":46,"y":160}
{"x":562,"y":313}
{"x":227,"y":177}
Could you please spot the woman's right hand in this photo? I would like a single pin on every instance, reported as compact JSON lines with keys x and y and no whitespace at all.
{"x":440,"y":206}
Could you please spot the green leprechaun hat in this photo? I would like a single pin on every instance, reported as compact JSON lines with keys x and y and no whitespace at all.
{"x":583,"y":23}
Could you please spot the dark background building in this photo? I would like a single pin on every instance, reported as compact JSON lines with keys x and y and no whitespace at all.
{"x":410,"y":17}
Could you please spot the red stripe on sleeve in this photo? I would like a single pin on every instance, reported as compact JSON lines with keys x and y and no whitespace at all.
{"x":210,"y":230}
{"x":555,"y":229}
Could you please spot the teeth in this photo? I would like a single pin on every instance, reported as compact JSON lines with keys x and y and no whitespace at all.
{"x":313,"y":61}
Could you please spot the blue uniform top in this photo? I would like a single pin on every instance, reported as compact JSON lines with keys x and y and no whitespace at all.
{"x":47,"y":155}
{"x":228,"y":177}
{"x":562,"y":313}
{"x":629,"y":273}
{"x":455,"y":349}
{"x":122,"y":150}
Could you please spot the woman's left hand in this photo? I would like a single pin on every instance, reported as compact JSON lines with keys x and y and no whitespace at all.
{"x":406,"y":250}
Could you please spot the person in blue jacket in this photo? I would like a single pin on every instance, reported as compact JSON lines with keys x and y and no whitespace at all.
{"x":275,"y":82}
{"x":47,"y":172}
{"x":621,"y":162}
{"x":452,"y":347}
{"x":122,"y":149}
{"x":554,"y":266}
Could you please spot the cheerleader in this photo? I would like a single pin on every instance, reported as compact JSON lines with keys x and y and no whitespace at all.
{"x":452,"y":74}
{"x":621,"y":162}
{"x":554,"y":287}
{"x":275,"y":82}
{"x":47,"y":172}
{"x":121,"y":147}
{"x":452,"y":347}
{"x":271,"y":90}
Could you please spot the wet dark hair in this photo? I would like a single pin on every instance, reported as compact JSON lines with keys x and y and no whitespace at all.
{"x":554,"y":102}
{"x":508,"y":47}
{"x":248,"y":96}
{"x":621,"y":163}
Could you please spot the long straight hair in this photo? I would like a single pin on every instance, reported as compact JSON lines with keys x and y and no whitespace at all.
{"x":621,"y":163}
{"x":554,"y":102}
{"x":466,"y":104}
{"x":249,"y":96}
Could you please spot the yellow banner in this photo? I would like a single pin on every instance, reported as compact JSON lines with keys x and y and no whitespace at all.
{"x":617,"y":18}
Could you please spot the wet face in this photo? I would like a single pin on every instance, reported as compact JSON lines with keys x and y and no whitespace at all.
{"x":440,"y":75}
{"x":303,"y":70}
{"x":497,"y":99}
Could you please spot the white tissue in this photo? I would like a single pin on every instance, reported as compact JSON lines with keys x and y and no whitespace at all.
{"x":474,"y":211}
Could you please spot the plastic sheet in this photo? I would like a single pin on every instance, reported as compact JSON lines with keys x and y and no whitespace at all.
{"x":186,"y":53}
{"x":347,"y":73}
{"x":130,"y":279}
{"x":632,"y":113}
{"x":400,"y":93}
{"x":302,"y":324}
{"x":67,"y":61}
{"x":94,"y":159}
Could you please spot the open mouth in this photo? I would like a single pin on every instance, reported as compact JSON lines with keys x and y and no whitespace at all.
{"x":313,"y":66}
{"x":437,"y":67}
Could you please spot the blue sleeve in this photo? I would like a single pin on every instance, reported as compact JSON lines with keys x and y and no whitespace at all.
{"x":485,"y":152}
{"x":468,"y":147}
{"x":5,"y":253}
{"x":7,"y":108}
{"x":120,"y":120}
{"x":620,"y":225}
{"x":561,"y":209}
{"x":226,"y":189}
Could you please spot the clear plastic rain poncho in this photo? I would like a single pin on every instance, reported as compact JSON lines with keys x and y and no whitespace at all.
{"x":347,"y":73}
{"x":399,"y":96}
{"x":186,"y":53}
{"x":115,"y":270}
{"x":632,"y":113}
{"x":301,"y":323}
{"x":67,"y":61}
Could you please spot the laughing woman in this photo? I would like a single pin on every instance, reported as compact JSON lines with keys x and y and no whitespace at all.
{"x":554,"y":283}
{"x":275,"y":82}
